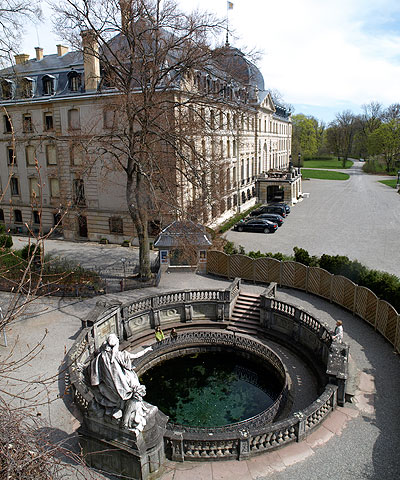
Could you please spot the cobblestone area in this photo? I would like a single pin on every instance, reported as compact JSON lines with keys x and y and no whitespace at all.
{"x":359,"y":217}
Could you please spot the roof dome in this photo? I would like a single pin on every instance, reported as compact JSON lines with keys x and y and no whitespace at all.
{"x":234,"y":62}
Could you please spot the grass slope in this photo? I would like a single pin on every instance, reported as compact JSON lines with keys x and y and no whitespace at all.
{"x":389,"y":183}
{"x":324,"y":174}
{"x":331,"y":163}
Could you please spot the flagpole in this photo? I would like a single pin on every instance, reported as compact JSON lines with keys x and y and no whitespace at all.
{"x":227,"y":24}
{"x":228,"y":7}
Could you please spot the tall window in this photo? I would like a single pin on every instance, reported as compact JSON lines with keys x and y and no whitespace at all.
{"x":79,"y":192}
{"x":77,"y":155}
{"x":116,"y":225}
{"x":48,"y":121}
{"x":36,"y":217}
{"x":51,"y":154}
{"x":109,"y":118}
{"x":74,"y":81}
{"x":212,"y":119}
{"x":48,"y":85}
{"x":17,"y":216}
{"x":73,"y":119}
{"x":57,"y":219}
{"x":26,"y":87}
{"x":14,"y":186}
{"x":1,"y":215}
{"x":11,"y":157}
{"x":27,"y":123}
{"x":30,"y":155}
{"x":7,"y":124}
{"x":34,"y":188}
{"x":6,"y":87}
{"x":54,"y":188}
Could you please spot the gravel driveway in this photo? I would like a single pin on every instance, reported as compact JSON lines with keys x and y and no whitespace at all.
{"x":359,"y":217}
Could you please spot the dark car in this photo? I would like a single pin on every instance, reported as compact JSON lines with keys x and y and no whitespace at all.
{"x":281,"y":204}
{"x":272,"y":217}
{"x":276,"y":209}
{"x":256,"y":225}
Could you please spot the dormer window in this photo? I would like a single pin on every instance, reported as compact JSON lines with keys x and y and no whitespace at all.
{"x":48,"y":85}
{"x":27,"y":87}
{"x":74,"y":81}
{"x":6,"y":87}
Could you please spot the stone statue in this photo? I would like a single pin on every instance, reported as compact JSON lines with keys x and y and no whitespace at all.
{"x":116,"y":386}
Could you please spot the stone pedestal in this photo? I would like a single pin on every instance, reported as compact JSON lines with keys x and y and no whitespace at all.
{"x":108,"y":447}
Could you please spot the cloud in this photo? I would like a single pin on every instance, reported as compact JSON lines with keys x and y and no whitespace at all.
{"x":323,"y":53}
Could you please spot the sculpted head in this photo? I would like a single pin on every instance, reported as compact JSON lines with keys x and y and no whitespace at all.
{"x":112,"y":344}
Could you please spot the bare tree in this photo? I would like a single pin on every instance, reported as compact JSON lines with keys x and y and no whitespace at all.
{"x":14,"y":14}
{"x":166,"y":111}
{"x":340,"y":134}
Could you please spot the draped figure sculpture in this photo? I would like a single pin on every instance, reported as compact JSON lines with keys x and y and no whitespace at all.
{"x":116,"y":385}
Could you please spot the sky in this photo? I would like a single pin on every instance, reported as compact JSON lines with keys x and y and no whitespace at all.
{"x":323,"y":56}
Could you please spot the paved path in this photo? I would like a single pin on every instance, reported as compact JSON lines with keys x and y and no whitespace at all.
{"x":359,"y":217}
{"x":357,"y":442}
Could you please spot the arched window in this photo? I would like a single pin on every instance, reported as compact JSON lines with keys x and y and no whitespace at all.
{"x":74,"y":81}
{"x":48,"y":85}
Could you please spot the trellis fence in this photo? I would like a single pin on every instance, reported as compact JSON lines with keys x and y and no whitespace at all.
{"x":337,"y":289}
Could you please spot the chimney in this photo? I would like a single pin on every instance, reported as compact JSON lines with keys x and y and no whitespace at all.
{"x":91,"y":60}
{"x":39,"y":53}
{"x":61,"y":50}
{"x":21,"y":58}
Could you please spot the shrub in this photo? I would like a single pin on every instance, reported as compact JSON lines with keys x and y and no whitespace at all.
{"x":235,"y":219}
{"x":27,"y":252}
{"x":6,"y":241}
{"x":302,"y":256}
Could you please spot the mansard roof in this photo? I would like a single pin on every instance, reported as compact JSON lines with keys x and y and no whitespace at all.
{"x":54,"y":67}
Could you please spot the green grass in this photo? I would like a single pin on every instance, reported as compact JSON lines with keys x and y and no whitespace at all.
{"x":324,"y":174}
{"x":330,"y":163}
{"x":389,"y":183}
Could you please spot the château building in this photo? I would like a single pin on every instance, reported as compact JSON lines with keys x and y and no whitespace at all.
{"x":53,"y":104}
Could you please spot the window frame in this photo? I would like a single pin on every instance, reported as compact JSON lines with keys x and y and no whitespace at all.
{"x":116,"y":225}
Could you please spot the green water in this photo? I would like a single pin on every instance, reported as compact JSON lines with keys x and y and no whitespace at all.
{"x":210,"y":389}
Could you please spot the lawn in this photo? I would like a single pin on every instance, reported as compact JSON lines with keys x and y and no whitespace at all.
{"x":390,"y":183}
{"x":324,"y":174}
{"x":329,"y":163}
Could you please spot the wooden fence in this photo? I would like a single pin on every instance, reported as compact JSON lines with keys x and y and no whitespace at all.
{"x":337,"y":289}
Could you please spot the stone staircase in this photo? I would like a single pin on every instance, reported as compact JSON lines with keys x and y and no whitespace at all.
{"x":246,"y":314}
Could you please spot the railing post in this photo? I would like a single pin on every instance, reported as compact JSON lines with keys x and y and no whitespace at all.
{"x":177,"y":448}
{"x":300,"y":428}
{"x":188,"y":313}
{"x":244,"y":445}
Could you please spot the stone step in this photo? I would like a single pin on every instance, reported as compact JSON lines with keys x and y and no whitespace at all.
{"x":247,"y":305}
{"x":250,"y":295}
{"x":244,"y":318}
{"x":245,"y":312}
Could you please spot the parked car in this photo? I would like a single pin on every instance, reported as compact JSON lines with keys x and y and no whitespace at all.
{"x":256,"y":225}
{"x":272,"y":217}
{"x":282,"y":204}
{"x":276,"y":209}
